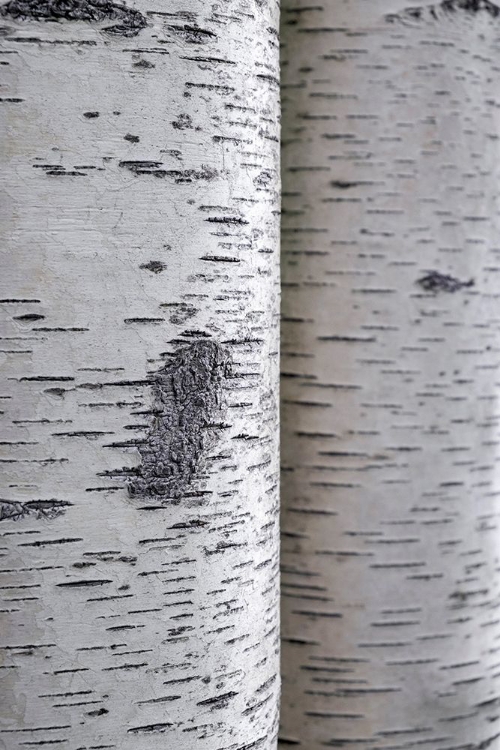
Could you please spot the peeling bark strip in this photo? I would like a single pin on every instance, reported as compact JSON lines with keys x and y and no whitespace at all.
{"x":390,"y":341}
{"x":131,"y":21}
{"x":187,"y":396}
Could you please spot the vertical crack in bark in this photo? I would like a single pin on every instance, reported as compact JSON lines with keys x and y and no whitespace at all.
{"x":130,"y":21}
{"x":188,"y":397}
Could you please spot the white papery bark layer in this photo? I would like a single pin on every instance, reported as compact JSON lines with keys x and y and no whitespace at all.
{"x":141,"y":173}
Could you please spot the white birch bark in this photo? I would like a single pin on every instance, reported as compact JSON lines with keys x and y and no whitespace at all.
{"x":139,"y":356}
{"x":390,"y":387}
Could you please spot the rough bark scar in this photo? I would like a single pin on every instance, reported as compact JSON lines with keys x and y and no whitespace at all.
{"x":436,"y":11}
{"x":440,"y":282}
{"x":188,"y":398}
{"x":130,"y":21}
{"x":15,"y":511}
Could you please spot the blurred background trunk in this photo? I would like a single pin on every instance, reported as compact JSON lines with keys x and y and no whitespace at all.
{"x":390,"y":364}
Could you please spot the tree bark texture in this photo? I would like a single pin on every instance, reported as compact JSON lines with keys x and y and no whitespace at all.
{"x":139,"y":303}
{"x":390,"y":345}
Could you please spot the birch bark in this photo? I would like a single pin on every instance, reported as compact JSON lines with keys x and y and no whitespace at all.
{"x":391,"y":487}
{"x":139,"y":349}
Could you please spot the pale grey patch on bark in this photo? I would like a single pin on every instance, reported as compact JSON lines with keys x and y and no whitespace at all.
{"x":187,"y":395}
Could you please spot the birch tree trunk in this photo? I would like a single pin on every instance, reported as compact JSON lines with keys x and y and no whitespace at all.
{"x":390,"y":384}
{"x":139,"y":350}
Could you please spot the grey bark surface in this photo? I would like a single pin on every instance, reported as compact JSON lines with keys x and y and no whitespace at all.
{"x":139,"y":352}
{"x":390,"y":344}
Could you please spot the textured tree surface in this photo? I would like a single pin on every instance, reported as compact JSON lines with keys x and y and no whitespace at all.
{"x":139,"y":304}
{"x":391,"y":270}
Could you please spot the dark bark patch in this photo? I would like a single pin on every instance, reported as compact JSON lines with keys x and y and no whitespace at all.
{"x":191,"y":175}
{"x":15,"y":511}
{"x":98,"y":712}
{"x":440,"y":282}
{"x":183,"y":122}
{"x":471,"y":6}
{"x":439,"y":10}
{"x":182,"y":312}
{"x":154,"y":168}
{"x":84,"y":583}
{"x":58,"y":392}
{"x":129,"y":21}
{"x":63,"y":172}
{"x":142,"y":321}
{"x":155,"y":266}
{"x":229,"y":220}
{"x":187,"y":403}
{"x":140,"y":166}
{"x":264,"y":179}
{"x":29,"y":317}
{"x":344,"y":184}
{"x":150,"y":728}
{"x":219,"y":701}
{"x":145,"y":64}
{"x":192,"y":34}
{"x":490,"y":742}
